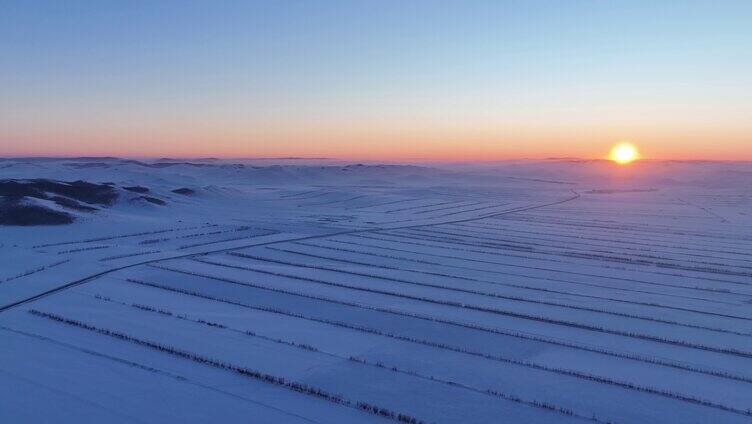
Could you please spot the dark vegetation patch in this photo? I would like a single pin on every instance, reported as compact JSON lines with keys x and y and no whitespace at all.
{"x":153,"y":200}
{"x":72,"y":204}
{"x":185,"y":191}
{"x":137,"y":189}
{"x":81,"y":191}
{"x":15,"y":212}
{"x":16,"y":209}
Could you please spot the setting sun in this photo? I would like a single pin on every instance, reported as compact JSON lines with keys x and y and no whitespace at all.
{"x":623,"y":153}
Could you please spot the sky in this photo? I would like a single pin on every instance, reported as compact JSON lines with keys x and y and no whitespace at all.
{"x":390,"y":80}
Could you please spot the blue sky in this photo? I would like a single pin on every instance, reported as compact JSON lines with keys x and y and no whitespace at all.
{"x":372,"y":79}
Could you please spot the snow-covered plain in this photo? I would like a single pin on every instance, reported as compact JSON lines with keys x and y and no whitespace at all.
{"x":314,"y":291}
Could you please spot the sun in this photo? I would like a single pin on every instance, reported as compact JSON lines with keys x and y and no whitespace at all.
{"x":624,"y":153}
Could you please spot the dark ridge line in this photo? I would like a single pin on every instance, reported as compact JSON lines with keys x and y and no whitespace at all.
{"x":82,"y":249}
{"x":144,"y":233}
{"x":188,"y":246}
{"x":322,"y":193}
{"x":129,"y":255}
{"x":382,"y":204}
{"x":287,"y":196}
{"x":336,"y":201}
{"x":470,"y":210}
{"x":472,"y":203}
{"x":454,"y":202}
{"x":34,"y":271}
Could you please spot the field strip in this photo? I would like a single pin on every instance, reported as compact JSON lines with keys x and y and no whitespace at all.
{"x":168,"y":374}
{"x":668,"y":231}
{"x":497,"y":311}
{"x":422,"y":260}
{"x":642,"y":239}
{"x":560,"y":271}
{"x":654,"y":360}
{"x":635,"y":232}
{"x":642,"y":257}
{"x":251,"y":332}
{"x":243,"y":371}
{"x":522,"y":299}
{"x":278,"y":317}
{"x":106,"y":272}
{"x":590,"y":260}
{"x":614,"y":243}
{"x":580,"y":260}
{"x":632,"y":259}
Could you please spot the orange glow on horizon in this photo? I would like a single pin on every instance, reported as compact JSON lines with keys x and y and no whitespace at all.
{"x":384,"y":144}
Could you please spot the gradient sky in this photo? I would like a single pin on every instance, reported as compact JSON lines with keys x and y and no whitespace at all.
{"x":376,"y":79}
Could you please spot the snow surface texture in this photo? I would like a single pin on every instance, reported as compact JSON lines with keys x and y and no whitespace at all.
{"x":299,"y":291}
